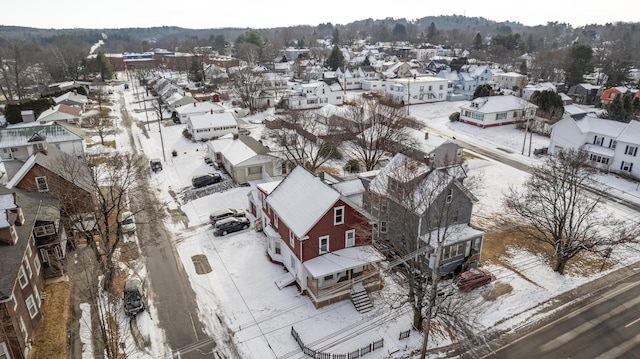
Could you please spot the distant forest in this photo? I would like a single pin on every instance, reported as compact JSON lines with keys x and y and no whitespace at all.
{"x":62,"y":54}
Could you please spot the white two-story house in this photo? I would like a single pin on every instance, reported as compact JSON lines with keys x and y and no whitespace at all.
{"x":612,"y":145}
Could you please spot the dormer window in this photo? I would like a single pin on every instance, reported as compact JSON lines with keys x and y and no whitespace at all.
{"x":41,"y":183}
{"x":38,"y":147}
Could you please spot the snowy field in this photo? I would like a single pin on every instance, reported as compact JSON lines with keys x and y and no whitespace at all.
{"x":240,"y":288}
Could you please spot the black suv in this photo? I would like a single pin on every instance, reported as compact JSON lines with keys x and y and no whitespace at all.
{"x":205,"y":180}
{"x":230,"y":225}
{"x":225,"y":213}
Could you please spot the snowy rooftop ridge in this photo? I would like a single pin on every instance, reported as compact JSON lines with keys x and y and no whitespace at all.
{"x":301,"y":200}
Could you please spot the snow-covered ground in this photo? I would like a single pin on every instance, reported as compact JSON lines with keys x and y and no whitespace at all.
{"x":240,"y":288}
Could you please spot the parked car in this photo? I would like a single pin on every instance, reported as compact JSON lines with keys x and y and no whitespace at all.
{"x":472,"y":278}
{"x":206,"y":179}
{"x":155,"y":164}
{"x":230,"y":225}
{"x":133,"y":303}
{"x":225,"y":213}
{"x":127,"y":224}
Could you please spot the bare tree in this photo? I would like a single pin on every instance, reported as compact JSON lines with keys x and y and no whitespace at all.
{"x":557,"y":207}
{"x":304,"y":140}
{"x":377,"y":127}
{"x":247,"y":86}
{"x":18,"y":57}
{"x":102,"y":124}
{"x":422,"y":213}
{"x":110,"y":180}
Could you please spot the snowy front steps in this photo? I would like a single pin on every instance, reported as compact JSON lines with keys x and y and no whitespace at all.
{"x":284,"y":280}
{"x":360,"y":298}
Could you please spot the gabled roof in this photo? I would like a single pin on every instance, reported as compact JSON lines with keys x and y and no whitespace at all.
{"x":54,"y":133}
{"x":11,"y":255}
{"x":210,"y":120}
{"x":590,"y":123}
{"x":199,"y":107}
{"x":51,"y":161}
{"x":60,"y":111}
{"x":494,"y":104}
{"x":405,"y":169}
{"x":631,"y":133}
{"x":237,"y":151}
{"x":71,"y":96}
{"x":301,"y":200}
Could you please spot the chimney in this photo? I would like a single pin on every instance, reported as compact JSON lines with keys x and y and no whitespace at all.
{"x":235,"y":136}
{"x":211,"y":111}
{"x":321,"y":176}
{"x":75,"y":91}
{"x":426,"y":135}
{"x":194,"y":104}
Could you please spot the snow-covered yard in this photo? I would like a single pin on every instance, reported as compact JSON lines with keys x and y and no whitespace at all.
{"x":240,"y":289}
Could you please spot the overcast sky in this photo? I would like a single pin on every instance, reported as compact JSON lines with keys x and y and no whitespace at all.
{"x":281,"y":13}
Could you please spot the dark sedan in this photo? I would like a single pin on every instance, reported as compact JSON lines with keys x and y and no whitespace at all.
{"x":206,"y":179}
{"x":230,"y":225}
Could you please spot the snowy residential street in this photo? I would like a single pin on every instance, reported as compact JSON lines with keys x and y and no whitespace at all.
{"x":243,"y":314}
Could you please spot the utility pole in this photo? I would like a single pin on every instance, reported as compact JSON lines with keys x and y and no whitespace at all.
{"x":525,"y":131}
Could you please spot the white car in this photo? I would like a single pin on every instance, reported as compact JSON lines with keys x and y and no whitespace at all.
{"x":128,"y":224}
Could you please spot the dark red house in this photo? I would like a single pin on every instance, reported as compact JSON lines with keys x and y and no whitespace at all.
{"x":321,"y":237}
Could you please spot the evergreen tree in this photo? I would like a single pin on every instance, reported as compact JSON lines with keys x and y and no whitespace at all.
{"x":336,"y":37}
{"x":549,"y":104}
{"x":577,"y":63}
{"x":477,"y":42}
{"x":104,"y":67}
{"x":623,"y":108}
{"x":431,"y":32}
{"x":483,"y":90}
{"x":336,"y":59}
{"x":195,"y":71}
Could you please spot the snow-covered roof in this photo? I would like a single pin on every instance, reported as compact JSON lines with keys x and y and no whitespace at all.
{"x":210,"y":120}
{"x":200,"y":107}
{"x":426,"y":145}
{"x":593,"y":124}
{"x":493,"y":104}
{"x":350,"y":187}
{"x":71,"y":96}
{"x":238,"y":150}
{"x":59,"y":112}
{"x":54,"y":133}
{"x":342,"y":260}
{"x":269,"y":186}
{"x":631,"y":133}
{"x":404,"y":169}
{"x":453,"y":234}
{"x":301,"y":200}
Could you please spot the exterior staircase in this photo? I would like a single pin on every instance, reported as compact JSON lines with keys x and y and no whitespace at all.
{"x":360,"y":298}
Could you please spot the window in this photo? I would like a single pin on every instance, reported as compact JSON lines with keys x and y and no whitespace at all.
{"x":22,"y":278}
{"x":350,"y":238}
{"x":441,"y":87}
{"x":338,"y":215}
{"x":383,"y":226}
{"x":277,"y":248}
{"x":15,"y":302}
{"x":46,"y":230}
{"x":324,"y":244}
{"x":626,"y":166}
{"x":275,"y":220}
{"x":501,"y":116}
{"x":4,"y":353}
{"x":41,"y":183}
{"x":292,"y":238}
{"x":328,"y":277}
{"x":38,"y":147}
{"x":631,"y":151}
{"x":36,"y":263}
{"x":25,"y":263}
{"x":37,"y":294}
{"x":450,"y":196}
{"x":31,"y":305}
{"x":23,"y":328}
